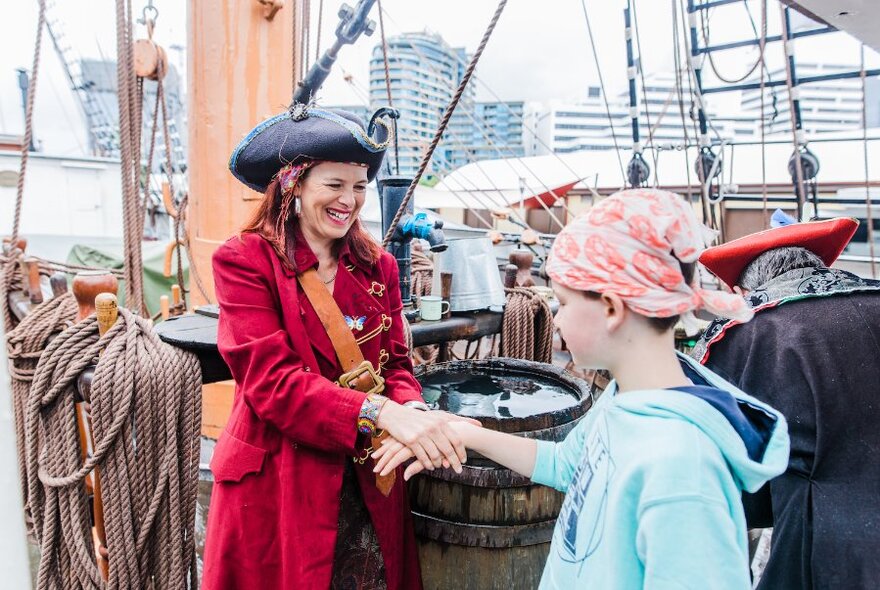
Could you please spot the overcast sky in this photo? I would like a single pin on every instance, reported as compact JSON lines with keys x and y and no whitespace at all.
{"x":539,"y":51}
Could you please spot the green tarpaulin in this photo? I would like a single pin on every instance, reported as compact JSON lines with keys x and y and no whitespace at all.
{"x":155,"y":283}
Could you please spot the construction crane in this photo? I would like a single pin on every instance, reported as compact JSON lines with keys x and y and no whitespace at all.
{"x":103,"y":130}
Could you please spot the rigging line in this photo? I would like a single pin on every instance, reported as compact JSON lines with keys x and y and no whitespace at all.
{"x":763,"y":54}
{"x":67,"y":117}
{"x":305,"y":44}
{"x":654,"y":153}
{"x":696,"y":88}
{"x":869,"y":214}
{"x":763,"y":113}
{"x":704,"y":28}
{"x":318,"y":35}
{"x":444,"y":122}
{"x":385,"y":54}
{"x":676,"y":54}
{"x":455,"y":137}
{"x":705,"y":121}
{"x":507,"y":161}
{"x":795,"y":118}
{"x":604,"y":93}
{"x":295,"y":66}
{"x":492,"y":144}
{"x":506,"y":106}
{"x":455,"y":193}
{"x":687,"y":68}
{"x":28,"y":122}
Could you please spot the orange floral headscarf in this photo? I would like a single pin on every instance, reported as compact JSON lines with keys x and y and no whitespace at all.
{"x":631,"y":244}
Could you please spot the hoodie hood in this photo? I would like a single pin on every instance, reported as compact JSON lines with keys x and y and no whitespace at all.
{"x":752,"y":436}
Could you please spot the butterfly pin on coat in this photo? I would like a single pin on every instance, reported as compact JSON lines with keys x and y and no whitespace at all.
{"x":356,"y":324}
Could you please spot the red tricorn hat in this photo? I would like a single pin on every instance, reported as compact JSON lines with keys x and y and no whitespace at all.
{"x":826,"y":239}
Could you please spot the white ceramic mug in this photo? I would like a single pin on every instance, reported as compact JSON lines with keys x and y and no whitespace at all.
{"x":432,"y":307}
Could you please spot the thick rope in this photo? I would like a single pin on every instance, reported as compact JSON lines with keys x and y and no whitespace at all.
{"x":422,"y":278}
{"x":10,"y":280}
{"x":28,"y":121}
{"x":426,"y":158}
{"x":145,"y":414}
{"x":129,"y":145}
{"x":24,"y":346}
{"x":527,"y":326}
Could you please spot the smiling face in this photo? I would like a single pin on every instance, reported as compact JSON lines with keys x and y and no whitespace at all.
{"x":332,"y":195}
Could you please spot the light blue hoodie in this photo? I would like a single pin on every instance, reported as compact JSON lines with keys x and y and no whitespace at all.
{"x":654,"y":481}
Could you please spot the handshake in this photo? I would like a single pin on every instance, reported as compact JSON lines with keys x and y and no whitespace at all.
{"x":435,"y":439}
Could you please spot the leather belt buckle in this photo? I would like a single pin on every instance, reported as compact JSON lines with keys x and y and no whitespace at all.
{"x":350,"y":378}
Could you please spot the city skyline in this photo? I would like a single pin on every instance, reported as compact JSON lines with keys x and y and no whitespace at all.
{"x":553,"y":61}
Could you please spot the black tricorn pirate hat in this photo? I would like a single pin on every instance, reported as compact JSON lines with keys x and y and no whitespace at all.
{"x":308,"y":132}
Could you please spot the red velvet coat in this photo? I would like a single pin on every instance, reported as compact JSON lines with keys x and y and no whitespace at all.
{"x":278,"y":465}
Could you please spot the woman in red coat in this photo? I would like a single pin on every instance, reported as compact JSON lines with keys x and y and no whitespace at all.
{"x":291,"y":506}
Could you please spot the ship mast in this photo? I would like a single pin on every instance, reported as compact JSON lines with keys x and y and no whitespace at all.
{"x":240,"y":71}
{"x":243,"y":59}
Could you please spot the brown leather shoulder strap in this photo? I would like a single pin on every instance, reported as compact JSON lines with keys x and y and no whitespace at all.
{"x":347,"y":350}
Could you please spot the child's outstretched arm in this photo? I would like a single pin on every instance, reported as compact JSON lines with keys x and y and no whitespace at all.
{"x":513,"y":452}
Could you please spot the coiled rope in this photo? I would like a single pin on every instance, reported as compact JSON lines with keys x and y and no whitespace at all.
{"x":527,"y":326}
{"x":145,"y":413}
{"x":24,"y":346}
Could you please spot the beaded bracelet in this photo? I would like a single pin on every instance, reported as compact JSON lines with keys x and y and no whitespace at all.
{"x":369,"y":413}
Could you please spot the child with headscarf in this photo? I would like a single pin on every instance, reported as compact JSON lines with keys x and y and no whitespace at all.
{"x":654,"y":473}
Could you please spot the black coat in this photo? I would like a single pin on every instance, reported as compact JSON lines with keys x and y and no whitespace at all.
{"x":817,"y":360}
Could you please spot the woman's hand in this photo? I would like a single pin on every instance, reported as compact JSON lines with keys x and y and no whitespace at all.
{"x":393,"y":453}
{"x":428,"y":435}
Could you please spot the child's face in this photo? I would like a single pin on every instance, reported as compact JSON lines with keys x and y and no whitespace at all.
{"x":582,"y":322}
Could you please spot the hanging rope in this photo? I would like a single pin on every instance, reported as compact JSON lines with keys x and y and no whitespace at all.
{"x":527,"y":326}
{"x":676,"y":54}
{"x":604,"y":94}
{"x":868,"y":212}
{"x":763,"y":74}
{"x":795,"y":116}
{"x":130,"y":103}
{"x":704,"y":26}
{"x":475,"y":190}
{"x":385,"y":53}
{"x":145,"y":415}
{"x":426,"y":158}
{"x":641,"y":69}
{"x":516,"y":116}
{"x":24,"y":346}
{"x":295,"y":55}
{"x":305,"y":42}
{"x":28,"y":121}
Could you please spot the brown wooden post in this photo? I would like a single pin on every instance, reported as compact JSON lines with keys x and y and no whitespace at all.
{"x":35,"y":290}
{"x":58,"y":282}
{"x":256,"y":58}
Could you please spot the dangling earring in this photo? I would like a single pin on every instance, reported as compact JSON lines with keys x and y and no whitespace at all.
{"x":297,"y":206}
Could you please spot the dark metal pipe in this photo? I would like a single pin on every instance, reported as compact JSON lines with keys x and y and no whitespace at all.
{"x":771,"y":39}
{"x":352,"y":22}
{"x":692,"y":7}
{"x":392,"y":190}
{"x":801,"y":81}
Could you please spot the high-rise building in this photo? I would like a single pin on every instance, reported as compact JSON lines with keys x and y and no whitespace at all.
{"x":489,"y":131}
{"x":424,"y":72}
{"x":827,"y":106}
{"x":562,"y":127}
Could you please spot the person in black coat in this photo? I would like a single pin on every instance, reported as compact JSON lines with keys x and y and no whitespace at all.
{"x":812,"y":351}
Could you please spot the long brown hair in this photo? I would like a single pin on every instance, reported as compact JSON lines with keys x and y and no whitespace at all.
{"x":273,"y":221}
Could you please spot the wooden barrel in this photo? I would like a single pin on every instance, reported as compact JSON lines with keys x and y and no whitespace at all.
{"x":489,"y":527}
